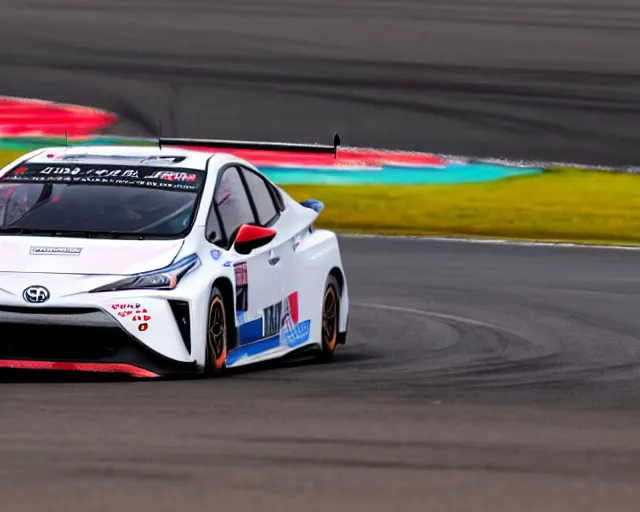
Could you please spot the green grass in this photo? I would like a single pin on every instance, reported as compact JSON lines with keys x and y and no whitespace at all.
{"x":8,"y":156}
{"x":563,"y":205}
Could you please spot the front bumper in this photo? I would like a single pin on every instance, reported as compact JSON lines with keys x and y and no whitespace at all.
{"x":125,"y":337}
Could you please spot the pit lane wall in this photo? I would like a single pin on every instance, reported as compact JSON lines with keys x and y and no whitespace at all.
{"x":27,"y":124}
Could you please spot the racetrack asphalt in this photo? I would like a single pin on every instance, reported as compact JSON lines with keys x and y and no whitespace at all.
{"x":536,"y":79}
{"x":476,"y":377}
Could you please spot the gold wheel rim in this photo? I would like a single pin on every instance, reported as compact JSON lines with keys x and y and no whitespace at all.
{"x":217,"y":332}
{"x":330,"y":319}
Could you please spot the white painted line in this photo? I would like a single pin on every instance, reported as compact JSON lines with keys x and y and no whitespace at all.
{"x":420,"y":312}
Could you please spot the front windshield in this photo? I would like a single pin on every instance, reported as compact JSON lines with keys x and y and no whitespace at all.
{"x":109,"y":199}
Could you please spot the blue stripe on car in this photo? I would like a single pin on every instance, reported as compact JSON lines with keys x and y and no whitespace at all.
{"x":250,"y":332}
{"x":253,"y":349}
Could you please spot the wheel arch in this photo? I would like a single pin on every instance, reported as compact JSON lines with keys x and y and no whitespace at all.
{"x":337,"y":273}
{"x":225,"y":286}
{"x":343,"y":321}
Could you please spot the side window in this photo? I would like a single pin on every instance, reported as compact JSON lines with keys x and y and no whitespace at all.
{"x":232,"y":202}
{"x":213,"y":228}
{"x":262,"y":198}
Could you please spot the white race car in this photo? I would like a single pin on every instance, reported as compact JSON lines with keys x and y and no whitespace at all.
{"x":154,"y":261}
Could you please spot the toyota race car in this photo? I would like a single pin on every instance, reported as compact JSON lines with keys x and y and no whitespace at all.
{"x":153,"y":261}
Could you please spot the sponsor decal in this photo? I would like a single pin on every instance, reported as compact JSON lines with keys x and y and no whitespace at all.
{"x":277,"y":324}
{"x":62,"y":251}
{"x":297,"y":239}
{"x":294,"y":333}
{"x":215,"y":254}
{"x":80,"y":171}
{"x":295,"y":242}
{"x":282,"y":319}
{"x":122,"y":308}
{"x":143,"y":176}
{"x":298,"y":334}
{"x":272,"y":322}
{"x":291,"y":309}
{"x":139,"y":315}
{"x":173,"y":176}
{"x":242,"y":286}
{"x":227,"y":263}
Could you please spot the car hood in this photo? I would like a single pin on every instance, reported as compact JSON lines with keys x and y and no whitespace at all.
{"x":28,"y":254}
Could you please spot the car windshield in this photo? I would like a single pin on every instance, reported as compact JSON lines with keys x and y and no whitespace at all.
{"x":100,"y":199}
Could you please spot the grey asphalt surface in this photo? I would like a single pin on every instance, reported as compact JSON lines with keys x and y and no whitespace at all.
{"x":520,"y":79}
{"x":477,"y":377}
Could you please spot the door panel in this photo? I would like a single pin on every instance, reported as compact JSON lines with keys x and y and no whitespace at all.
{"x":275,"y":305}
{"x":258,"y":282}
{"x":258,"y":285}
{"x":260,"y":306}
{"x":294,"y":328}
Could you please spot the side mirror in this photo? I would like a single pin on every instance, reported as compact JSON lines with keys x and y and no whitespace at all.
{"x":313,"y":204}
{"x":251,"y":237}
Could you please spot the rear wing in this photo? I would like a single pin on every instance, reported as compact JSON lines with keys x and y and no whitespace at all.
{"x":260,"y":146}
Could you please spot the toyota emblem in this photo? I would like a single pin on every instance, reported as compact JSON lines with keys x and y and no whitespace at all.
{"x":36,"y":294}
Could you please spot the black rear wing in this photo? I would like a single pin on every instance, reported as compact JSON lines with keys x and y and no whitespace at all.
{"x":262,"y":146}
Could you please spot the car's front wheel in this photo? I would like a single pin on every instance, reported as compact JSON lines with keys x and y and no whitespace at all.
{"x":330,"y":317}
{"x":217,"y":333}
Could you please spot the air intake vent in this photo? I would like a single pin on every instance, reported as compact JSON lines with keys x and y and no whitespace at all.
{"x":180,"y":311}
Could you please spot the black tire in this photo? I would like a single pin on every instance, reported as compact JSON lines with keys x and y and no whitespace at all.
{"x":217,"y":333}
{"x":330,"y":319}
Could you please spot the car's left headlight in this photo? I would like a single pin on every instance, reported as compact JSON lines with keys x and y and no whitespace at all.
{"x":163,"y":279}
